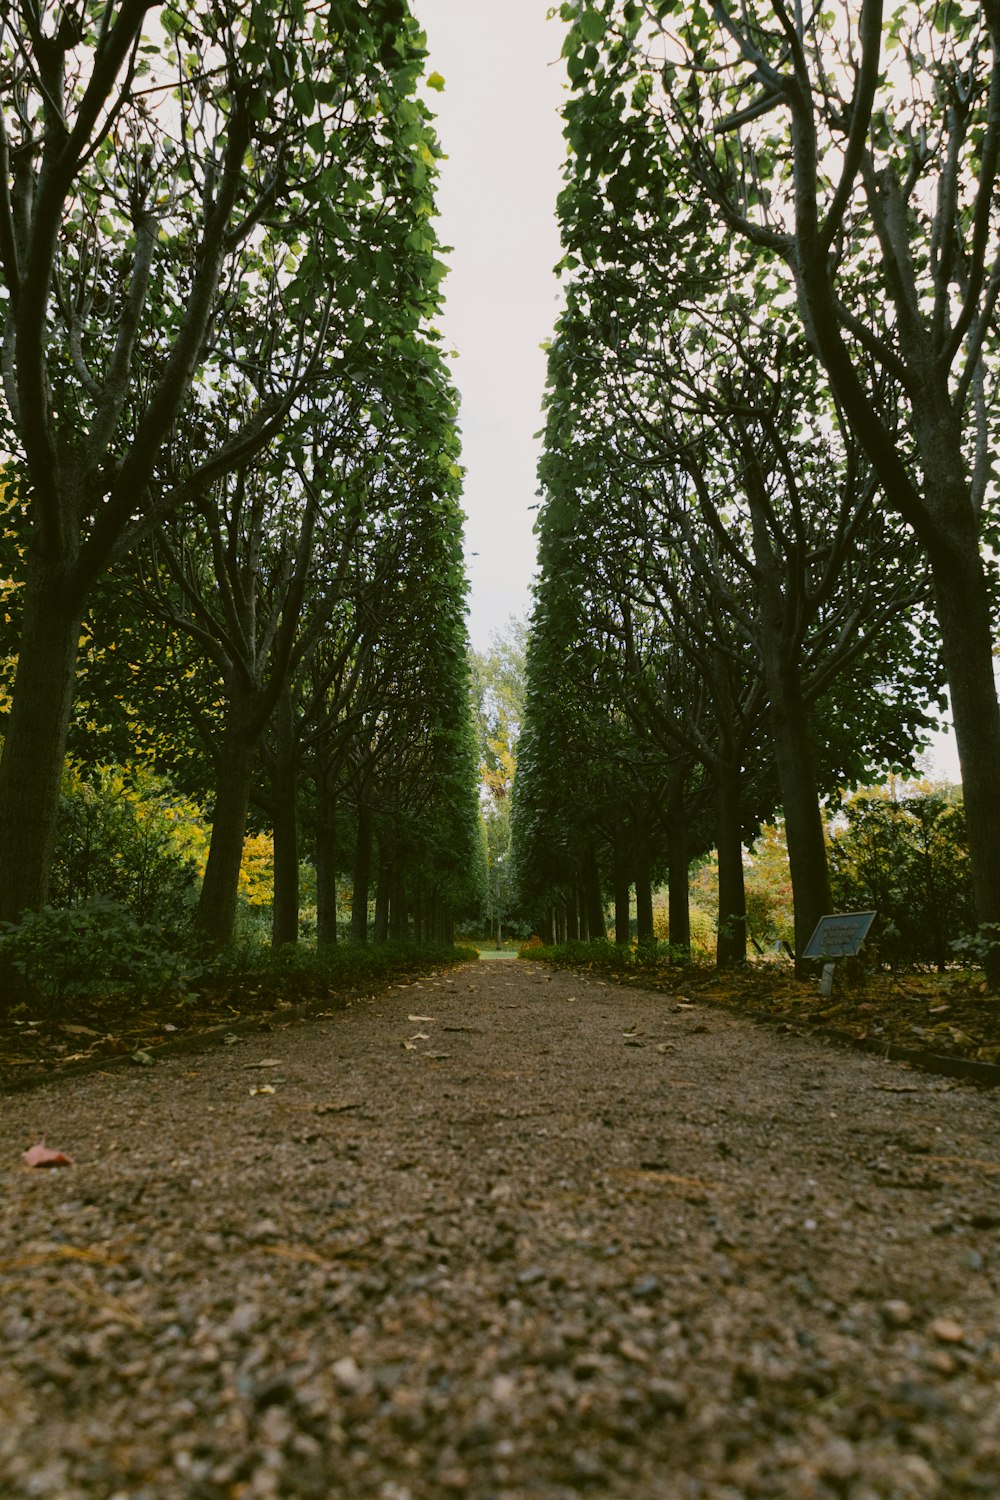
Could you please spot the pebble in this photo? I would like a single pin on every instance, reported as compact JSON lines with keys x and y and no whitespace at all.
{"x":897,"y":1313}
{"x":947,"y":1331}
{"x":446,"y":1302}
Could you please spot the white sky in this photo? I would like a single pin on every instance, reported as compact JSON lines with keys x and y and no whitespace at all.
{"x":498,"y":123}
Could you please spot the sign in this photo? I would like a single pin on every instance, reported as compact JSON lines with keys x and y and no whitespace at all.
{"x":839,"y":936}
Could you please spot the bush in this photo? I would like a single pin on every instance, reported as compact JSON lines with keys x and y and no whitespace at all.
{"x":702,"y":928}
{"x":603,"y":957}
{"x":95,"y":951}
{"x":907,"y":858}
{"x":123,"y":836}
{"x":297,"y":973}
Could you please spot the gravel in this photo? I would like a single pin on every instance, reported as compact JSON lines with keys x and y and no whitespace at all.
{"x":503,"y":1233}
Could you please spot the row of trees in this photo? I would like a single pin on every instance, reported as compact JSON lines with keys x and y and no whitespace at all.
{"x":233,"y":512}
{"x":766,"y":482}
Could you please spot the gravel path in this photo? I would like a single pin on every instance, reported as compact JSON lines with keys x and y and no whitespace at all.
{"x":508,"y":1235}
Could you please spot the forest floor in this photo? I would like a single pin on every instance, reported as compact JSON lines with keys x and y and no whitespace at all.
{"x":952,"y":1014}
{"x":508,"y":1234}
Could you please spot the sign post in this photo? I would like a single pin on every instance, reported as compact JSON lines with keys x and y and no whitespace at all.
{"x":837,"y":936}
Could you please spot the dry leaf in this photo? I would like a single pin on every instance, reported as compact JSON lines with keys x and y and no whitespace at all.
{"x":421,"y":1018}
{"x":420,"y":1036}
{"x":40,"y":1156}
{"x":262,"y":1088}
{"x":409,"y":1046}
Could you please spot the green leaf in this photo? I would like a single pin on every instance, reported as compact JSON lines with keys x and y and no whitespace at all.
{"x":436,"y":82}
{"x":592,"y":25}
{"x":302,"y":97}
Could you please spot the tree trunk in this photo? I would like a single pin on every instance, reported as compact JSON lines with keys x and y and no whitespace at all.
{"x":678,"y":868}
{"x":731,"y":941}
{"x":362,"y":875}
{"x":285,"y":910}
{"x":594,"y":897}
{"x":383,"y":887}
{"x":576,"y":905}
{"x":399,"y":922}
{"x":807,"y":856}
{"x":325,"y":856}
{"x":573,"y":913}
{"x":643,"y":888}
{"x":790,"y":731}
{"x":967,"y":649}
{"x":35,"y":743}
{"x":623,"y":886}
{"x":220,"y":887}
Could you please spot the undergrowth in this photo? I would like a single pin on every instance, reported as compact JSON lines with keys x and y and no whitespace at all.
{"x":604,"y":957}
{"x":98,"y":956}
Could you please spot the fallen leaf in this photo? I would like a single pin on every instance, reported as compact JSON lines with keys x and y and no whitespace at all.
{"x":420,"y":1036}
{"x":144,"y":1059}
{"x":266,"y":1062}
{"x":437,"y":1056}
{"x":409,"y":1046}
{"x":262,"y":1088}
{"x":79,"y":1030}
{"x":41,"y":1156}
{"x":336,"y":1109}
{"x":421,"y":1018}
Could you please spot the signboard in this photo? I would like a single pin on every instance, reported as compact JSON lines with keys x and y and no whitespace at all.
{"x":839,"y":936}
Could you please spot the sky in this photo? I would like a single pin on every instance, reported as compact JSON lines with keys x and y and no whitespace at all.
{"x":498,"y":123}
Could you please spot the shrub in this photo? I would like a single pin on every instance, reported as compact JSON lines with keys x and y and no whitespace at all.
{"x":702,"y":928}
{"x":906,"y":857}
{"x":95,"y":951}
{"x":298,"y":973}
{"x":124,"y":837}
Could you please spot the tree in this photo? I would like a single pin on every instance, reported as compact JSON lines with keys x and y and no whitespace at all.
{"x":184,"y":210}
{"x":858,"y":159}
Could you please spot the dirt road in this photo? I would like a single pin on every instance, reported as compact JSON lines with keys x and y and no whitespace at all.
{"x":506,"y":1235}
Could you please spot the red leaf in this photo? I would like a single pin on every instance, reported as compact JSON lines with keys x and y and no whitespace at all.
{"x":41,"y":1156}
